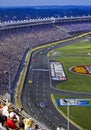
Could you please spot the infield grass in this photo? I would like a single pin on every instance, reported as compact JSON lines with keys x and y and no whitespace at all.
{"x":76,"y":54}
{"x":80,"y":115}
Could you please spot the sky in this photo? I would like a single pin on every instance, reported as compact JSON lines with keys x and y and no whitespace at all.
{"x":7,"y":3}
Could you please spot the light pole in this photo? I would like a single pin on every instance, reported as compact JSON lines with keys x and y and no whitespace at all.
{"x":9,"y":87}
{"x":9,"y":84}
{"x":67,"y":112}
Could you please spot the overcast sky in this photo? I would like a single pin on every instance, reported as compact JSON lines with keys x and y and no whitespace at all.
{"x":43,"y":2}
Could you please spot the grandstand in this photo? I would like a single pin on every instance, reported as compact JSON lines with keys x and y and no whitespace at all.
{"x":31,"y":34}
{"x":19,"y":37}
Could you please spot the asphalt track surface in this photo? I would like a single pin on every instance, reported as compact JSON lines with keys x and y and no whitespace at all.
{"x":41,"y":90}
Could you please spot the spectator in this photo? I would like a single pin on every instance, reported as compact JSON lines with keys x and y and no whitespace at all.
{"x":12,"y":121}
{"x":29,"y":124}
{"x":3,"y":120}
{"x":21,"y":125}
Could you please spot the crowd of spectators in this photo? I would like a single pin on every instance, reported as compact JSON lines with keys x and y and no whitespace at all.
{"x":11,"y":118}
{"x":75,"y":27}
{"x":13,"y":45}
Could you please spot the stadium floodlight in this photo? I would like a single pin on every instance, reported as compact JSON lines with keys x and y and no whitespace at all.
{"x":67,"y":103}
{"x":9,"y":84}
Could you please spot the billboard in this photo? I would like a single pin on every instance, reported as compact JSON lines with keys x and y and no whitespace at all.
{"x":73,"y":102}
{"x":57,"y":71}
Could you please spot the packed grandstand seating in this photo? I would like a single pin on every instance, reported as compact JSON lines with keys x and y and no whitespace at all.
{"x":75,"y":27}
{"x":12,"y":47}
{"x":18,"y":41}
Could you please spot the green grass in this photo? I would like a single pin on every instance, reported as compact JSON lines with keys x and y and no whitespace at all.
{"x":75,"y":55}
{"x":80,"y":115}
{"x":82,"y":47}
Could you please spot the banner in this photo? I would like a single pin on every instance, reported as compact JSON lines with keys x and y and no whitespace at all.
{"x":57,"y":71}
{"x":73,"y":102}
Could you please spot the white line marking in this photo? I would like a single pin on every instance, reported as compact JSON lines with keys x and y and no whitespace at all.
{"x":50,"y":111}
{"x":41,"y":69}
{"x":56,"y":118}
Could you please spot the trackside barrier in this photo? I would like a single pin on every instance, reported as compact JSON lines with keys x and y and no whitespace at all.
{"x":21,"y":65}
{"x":20,"y":84}
{"x":58,"y":42}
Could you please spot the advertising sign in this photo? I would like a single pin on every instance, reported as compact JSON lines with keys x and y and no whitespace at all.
{"x":73,"y":102}
{"x":57,"y":71}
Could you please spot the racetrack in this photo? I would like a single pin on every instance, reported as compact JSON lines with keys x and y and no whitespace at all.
{"x":41,"y":90}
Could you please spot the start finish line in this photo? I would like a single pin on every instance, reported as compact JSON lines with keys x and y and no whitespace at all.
{"x":73,"y":102}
